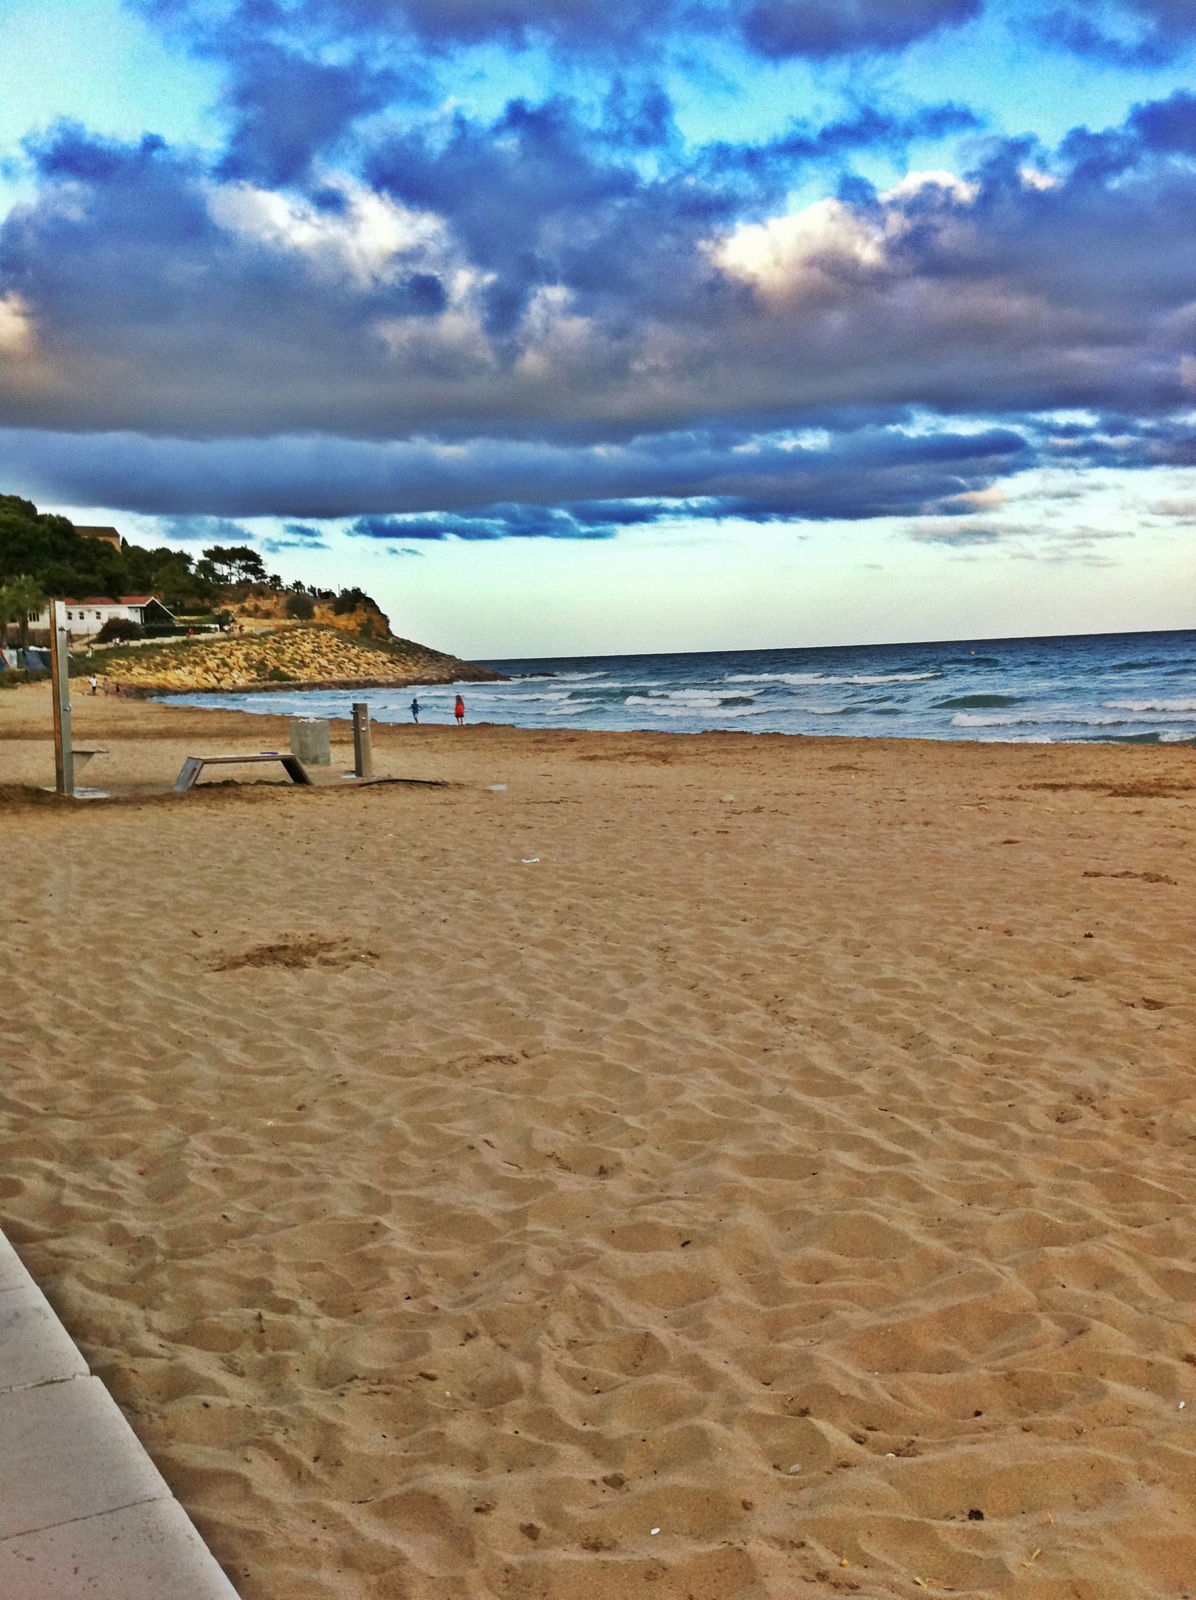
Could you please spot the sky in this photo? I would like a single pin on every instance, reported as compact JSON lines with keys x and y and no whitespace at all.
{"x":585,"y":326}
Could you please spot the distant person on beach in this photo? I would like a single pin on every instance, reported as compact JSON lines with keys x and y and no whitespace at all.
{"x":94,"y":683}
{"x":414,"y":709}
{"x":459,"y":711}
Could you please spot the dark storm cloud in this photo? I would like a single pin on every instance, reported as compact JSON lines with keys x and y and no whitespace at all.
{"x":575,"y":25}
{"x":870,"y":472}
{"x":129,"y":275}
{"x":1128,"y":33}
{"x":131,"y":278}
{"x":818,"y":28}
{"x":494,"y":522}
{"x":204,"y":530}
{"x":564,"y":325}
{"x":591,"y":28}
{"x":869,"y":128}
{"x":284,"y":109}
{"x":1167,"y":125}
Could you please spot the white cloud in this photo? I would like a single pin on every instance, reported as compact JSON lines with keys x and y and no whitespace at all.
{"x":17,"y":337}
{"x":785,"y":254}
{"x":363,"y":242}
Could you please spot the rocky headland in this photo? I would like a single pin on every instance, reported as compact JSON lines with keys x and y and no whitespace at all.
{"x":299,"y":656}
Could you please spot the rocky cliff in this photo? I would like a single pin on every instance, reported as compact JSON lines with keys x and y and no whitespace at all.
{"x":300,"y":656}
{"x":262,"y":604}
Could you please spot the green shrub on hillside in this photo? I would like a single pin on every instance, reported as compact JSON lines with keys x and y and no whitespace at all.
{"x":118,"y":628}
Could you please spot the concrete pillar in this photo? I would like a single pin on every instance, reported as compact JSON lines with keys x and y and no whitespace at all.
{"x":363,"y":749}
{"x":64,"y":760}
{"x":309,"y":741}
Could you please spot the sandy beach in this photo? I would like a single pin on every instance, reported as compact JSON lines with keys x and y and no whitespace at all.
{"x":705,"y":1168}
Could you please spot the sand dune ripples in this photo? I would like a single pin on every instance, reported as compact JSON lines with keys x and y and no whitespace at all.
{"x":759,"y":1196}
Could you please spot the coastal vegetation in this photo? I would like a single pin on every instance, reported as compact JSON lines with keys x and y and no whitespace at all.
{"x":42,"y":555}
{"x":237,"y":626}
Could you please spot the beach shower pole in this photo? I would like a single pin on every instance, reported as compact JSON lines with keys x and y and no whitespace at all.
{"x":363,"y":751}
{"x":64,"y":760}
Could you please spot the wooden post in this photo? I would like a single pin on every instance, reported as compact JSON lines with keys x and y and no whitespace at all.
{"x":64,"y":760}
{"x":363,"y":751}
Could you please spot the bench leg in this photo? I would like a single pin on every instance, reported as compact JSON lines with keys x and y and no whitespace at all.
{"x":191,"y":770}
{"x":298,"y":772}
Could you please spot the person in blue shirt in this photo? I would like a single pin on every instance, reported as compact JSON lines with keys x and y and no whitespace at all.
{"x":414,"y":709}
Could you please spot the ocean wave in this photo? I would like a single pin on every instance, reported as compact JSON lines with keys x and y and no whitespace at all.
{"x":888,"y":677}
{"x":695,"y":699}
{"x":715,"y":714}
{"x":853,"y":711}
{"x":778,"y":677}
{"x":975,"y":702}
{"x":1168,"y":706}
{"x":962,"y":720}
{"x":558,"y":677}
{"x":488,"y":697}
{"x":1137,"y":666}
{"x":830,"y":678}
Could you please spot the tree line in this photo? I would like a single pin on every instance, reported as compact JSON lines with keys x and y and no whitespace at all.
{"x":43,"y":555}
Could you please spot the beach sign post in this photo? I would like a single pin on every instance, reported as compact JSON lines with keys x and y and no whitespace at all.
{"x":64,"y":758}
{"x":363,"y":750}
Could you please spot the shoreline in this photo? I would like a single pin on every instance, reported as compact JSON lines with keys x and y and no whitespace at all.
{"x":783,"y":1144}
{"x":1088,"y":689}
{"x":150,"y":691}
{"x":145,"y":740}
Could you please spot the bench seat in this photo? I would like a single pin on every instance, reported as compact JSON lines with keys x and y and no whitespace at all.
{"x":194,"y":765}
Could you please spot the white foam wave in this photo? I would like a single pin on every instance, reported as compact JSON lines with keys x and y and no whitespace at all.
{"x":493,"y":697}
{"x":555,"y":677}
{"x":890,"y":677}
{"x":1169,"y":706}
{"x":696,"y":699}
{"x":711,"y":715}
{"x":824,"y":677}
{"x":965,"y":719}
{"x":776,"y":677}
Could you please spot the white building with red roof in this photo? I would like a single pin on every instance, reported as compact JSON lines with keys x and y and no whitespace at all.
{"x":84,"y":618}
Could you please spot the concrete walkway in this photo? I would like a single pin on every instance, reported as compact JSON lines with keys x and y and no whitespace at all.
{"x":84,"y":1513}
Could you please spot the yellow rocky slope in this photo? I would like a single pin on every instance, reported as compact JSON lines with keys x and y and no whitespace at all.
{"x":298,"y":655}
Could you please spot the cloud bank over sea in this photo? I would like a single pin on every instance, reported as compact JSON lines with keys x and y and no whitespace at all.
{"x":549,"y":270}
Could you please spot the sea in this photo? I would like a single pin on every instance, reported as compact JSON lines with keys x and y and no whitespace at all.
{"x":1126,"y":688}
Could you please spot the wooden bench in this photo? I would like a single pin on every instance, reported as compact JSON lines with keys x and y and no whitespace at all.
{"x":194,"y":765}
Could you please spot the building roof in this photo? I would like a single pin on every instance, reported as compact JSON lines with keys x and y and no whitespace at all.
{"x":110,"y":535}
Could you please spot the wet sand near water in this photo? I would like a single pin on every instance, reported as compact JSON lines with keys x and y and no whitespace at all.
{"x":722,"y":1167}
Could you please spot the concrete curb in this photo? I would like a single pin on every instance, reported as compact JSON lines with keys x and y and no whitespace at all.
{"x":83,"y":1509}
